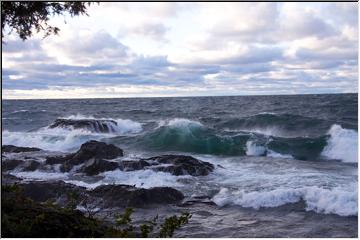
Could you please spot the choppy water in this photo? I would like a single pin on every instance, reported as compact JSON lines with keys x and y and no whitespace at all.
{"x":268,"y":150}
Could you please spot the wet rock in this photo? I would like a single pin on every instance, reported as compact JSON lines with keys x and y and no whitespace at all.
{"x":8,"y":179}
{"x":15,"y":149}
{"x":133,"y":165}
{"x":89,"y":150}
{"x":129,"y":196}
{"x":8,"y":165}
{"x":104,"y":126}
{"x":57,"y":159}
{"x":95,"y":149}
{"x":182,"y":165}
{"x":96,"y":166}
{"x":31,"y":165}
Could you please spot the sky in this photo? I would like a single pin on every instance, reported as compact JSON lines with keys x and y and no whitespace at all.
{"x":188,"y":49}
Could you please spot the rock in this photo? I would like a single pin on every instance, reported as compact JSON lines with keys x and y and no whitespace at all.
{"x":103,"y":126}
{"x":8,"y":179}
{"x":43,"y":191}
{"x":182,"y":165}
{"x":8,"y":165}
{"x":89,"y":150}
{"x":129,"y":196}
{"x":95,"y":149}
{"x":57,"y":159}
{"x":96,"y":166}
{"x":31,"y":165}
{"x":133,"y":165}
{"x":15,"y":149}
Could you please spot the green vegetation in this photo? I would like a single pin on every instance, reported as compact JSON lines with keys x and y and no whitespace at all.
{"x":23,"y":217}
{"x":25,"y":17}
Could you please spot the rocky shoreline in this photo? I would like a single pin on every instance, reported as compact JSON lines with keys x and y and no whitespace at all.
{"x":102,"y":202}
{"x":93,"y":158}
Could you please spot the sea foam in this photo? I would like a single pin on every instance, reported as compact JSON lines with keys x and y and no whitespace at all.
{"x":342,"y":144}
{"x":338,"y":201}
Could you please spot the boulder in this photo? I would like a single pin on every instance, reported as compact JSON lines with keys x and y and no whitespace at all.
{"x":15,"y":149}
{"x":130,"y":196}
{"x":182,"y":165}
{"x":89,"y":150}
{"x":95,"y":149}
{"x":96,"y":166}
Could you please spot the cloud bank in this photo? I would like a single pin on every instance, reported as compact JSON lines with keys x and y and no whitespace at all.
{"x":189,"y":49}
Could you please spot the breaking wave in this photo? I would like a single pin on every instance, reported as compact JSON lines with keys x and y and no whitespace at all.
{"x":328,"y":201}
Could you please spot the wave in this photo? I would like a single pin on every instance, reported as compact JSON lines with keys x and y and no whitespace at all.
{"x":192,"y":136}
{"x":280,"y":125}
{"x":57,"y":137}
{"x":328,"y":201}
{"x":342,"y":144}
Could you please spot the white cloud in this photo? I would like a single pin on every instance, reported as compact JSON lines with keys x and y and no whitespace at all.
{"x":168,"y":49}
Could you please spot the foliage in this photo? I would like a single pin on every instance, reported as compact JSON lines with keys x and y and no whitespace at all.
{"x":22,"y":217}
{"x":24,"y":17}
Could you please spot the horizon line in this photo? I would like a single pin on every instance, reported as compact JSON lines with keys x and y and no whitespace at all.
{"x":250,"y":95}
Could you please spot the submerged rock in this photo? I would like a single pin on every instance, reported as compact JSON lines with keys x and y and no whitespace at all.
{"x":174,"y":164}
{"x":182,"y":165}
{"x":129,"y":196}
{"x":104,"y":126}
{"x":15,"y":149}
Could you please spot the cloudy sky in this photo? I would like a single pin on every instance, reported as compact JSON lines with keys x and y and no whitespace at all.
{"x":188,"y":49}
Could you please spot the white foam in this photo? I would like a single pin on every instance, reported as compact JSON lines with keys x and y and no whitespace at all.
{"x":56,"y":139}
{"x":252,"y":149}
{"x":39,"y":175}
{"x":273,"y":154}
{"x":65,"y":139}
{"x":342,"y":144}
{"x":336,"y":201}
{"x":122,"y":126}
{"x":183,"y":122}
{"x":142,"y":178}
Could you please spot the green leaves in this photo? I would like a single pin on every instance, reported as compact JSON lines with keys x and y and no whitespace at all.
{"x":25,"y":17}
{"x":172,"y":223}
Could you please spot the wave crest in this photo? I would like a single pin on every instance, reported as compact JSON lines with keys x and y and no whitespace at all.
{"x":337,"y":201}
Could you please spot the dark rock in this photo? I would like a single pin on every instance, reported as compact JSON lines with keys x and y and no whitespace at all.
{"x":31,"y":165}
{"x":182,"y":165}
{"x":8,"y":179}
{"x":57,"y":159}
{"x":133,"y":165}
{"x":15,"y":149}
{"x":104,"y":126}
{"x":89,"y":150}
{"x":43,"y":191}
{"x":96,"y":166}
{"x":129,"y":196}
{"x":95,"y":149}
{"x":8,"y":165}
